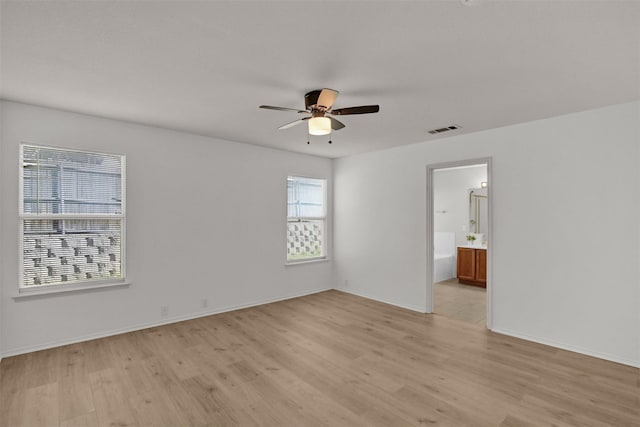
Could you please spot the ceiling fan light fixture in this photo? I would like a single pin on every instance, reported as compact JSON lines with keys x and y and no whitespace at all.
{"x":319,"y":126}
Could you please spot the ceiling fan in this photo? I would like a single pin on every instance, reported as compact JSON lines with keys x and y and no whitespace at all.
{"x":319,"y":103}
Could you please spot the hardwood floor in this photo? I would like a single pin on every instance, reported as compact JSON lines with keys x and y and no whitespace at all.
{"x":461,"y":302}
{"x":329,"y":359}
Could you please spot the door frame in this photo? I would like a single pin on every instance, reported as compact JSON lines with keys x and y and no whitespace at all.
{"x":430,"y":230}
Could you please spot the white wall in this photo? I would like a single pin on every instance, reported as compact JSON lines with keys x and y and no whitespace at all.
{"x":565,"y":244}
{"x":573,"y":180}
{"x":451,"y":195}
{"x":205,"y":219}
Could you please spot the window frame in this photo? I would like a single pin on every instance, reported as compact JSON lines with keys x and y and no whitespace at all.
{"x":323,"y":218}
{"x":22,"y":216}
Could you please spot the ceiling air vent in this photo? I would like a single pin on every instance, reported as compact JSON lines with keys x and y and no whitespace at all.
{"x":445,"y":129}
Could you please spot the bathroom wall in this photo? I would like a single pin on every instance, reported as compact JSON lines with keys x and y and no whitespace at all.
{"x":451,"y":198}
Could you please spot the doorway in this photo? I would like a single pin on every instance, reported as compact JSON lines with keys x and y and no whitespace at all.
{"x":459,"y":240}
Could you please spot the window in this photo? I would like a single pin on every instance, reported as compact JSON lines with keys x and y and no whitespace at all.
{"x":72,"y":217}
{"x":306,"y":218}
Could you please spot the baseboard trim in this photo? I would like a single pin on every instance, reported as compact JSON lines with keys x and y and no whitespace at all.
{"x":141,"y":326}
{"x":580,"y":350}
{"x":422,"y":310}
{"x":586,"y":352}
{"x":53,"y":344}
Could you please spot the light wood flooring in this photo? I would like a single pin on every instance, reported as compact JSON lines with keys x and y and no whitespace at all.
{"x":461,"y":302}
{"x":329,"y":359}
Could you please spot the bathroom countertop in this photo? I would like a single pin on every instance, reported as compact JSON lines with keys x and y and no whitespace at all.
{"x":474,"y":246}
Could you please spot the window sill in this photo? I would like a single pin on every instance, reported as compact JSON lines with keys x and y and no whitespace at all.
{"x":306,"y":261}
{"x":61,"y":289}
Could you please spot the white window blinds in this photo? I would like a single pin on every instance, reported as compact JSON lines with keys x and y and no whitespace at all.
{"x":306,"y":218}
{"x":72,"y":216}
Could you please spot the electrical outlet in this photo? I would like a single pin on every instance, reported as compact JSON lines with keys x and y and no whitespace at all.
{"x":164,"y":311}
{"x":204,"y":303}
{"x":346,"y":283}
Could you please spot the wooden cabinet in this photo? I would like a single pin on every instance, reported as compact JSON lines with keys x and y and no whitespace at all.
{"x":472,"y":266}
{"x":481,"y":266}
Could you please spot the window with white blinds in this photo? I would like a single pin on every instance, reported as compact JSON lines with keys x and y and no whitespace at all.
{"x":306,"y":218}
{"x":72,"y":217}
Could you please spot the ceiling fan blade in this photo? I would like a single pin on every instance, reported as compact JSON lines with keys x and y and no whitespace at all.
{"x":293,"y":123}
{"x":327,"y":97}
{"x":364,"y":109}
{"x":336,"y":124}
{"x":271,"y":107}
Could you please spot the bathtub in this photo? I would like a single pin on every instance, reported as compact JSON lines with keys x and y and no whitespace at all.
{"x":444,"y":258}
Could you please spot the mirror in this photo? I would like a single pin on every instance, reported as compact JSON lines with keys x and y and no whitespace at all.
{"x":478,"y":210}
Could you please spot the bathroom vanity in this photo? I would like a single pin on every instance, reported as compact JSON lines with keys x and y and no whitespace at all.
{"x":472,"y":265}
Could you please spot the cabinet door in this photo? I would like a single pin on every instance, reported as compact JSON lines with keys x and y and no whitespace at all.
{"x":466,"y":264}
{"x":481,"y":265}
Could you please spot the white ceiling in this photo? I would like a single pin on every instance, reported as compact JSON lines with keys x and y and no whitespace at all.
{"x":204,"y":67}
